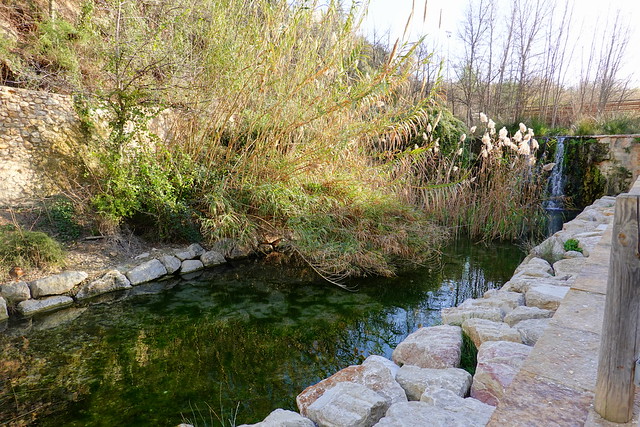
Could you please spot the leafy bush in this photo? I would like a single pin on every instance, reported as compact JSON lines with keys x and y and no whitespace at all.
{"x":60,"y":216}
{"x":28,"y":249}
{"x":572,"y":245}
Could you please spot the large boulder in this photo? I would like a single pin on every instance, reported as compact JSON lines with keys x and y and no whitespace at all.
{"x":535,"y":267}
{"x":34,"y":306}
{"x":57,"y":284}
{"x":146,"y":272}
{"x":569,"y":267}
{"x":471,"y":309}
{"x":531,"y":330}
{"x":498,"y":364}
{"x":545,"y":296}
{"x":191,"y":265}
{"x":348,"y":404}
{"x":422,"y":414}
{"x":374,"y":374}
{"x":15,"y":292}
{"x":470,"y":410}
{"x":504,"y":300}
{"x":212,"y":258}
{"x":415,"y":380}
{"x":283,"y":418}
{"x":431,"y":347}
{"x":526,"y":313}
{"x":171,"y":263}
{"x":111,"y":281}
{"x":481,"y":330}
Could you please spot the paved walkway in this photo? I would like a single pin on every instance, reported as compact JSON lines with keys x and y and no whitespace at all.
{"x":556,"y":384}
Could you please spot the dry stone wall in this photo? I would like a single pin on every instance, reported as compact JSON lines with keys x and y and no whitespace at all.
{"x":38,"y":133}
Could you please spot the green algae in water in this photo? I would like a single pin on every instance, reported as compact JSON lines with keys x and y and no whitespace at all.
{"x":233,"y":345}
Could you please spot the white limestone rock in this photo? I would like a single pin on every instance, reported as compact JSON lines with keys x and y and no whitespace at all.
{"x":171,"y":263}
{"x":15,"y":292}
{"x":415,"y":380}
{"x":498,"y":364}
{"x":525,"y":313}
{"x":536,"y":266}
{"x":531,"y":330}
{"x":379,"y":360}
{"x":471,"y":309}
{"x":569,"y":267}
{"x":573,"y":254}
{"x":545,"y":296}
{"x":505,"y":300}
{"x":191,"y":265}
{"x":348,"y":405}
{"x":431,"y":347}
{"x":482,"y":330}
{"x":375,"y":374}
{"x":283,"y":418}
{"x":146,"y":272}
{"x":422,"y":414}
{"x":34,"y":306}
{"x":57,"y":284}
{"x":212,"y":258}
{"x":109,"y":282}
{"x":472,"y":411}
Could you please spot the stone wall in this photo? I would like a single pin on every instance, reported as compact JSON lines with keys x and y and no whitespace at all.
{"x":39,"y":132}
{"x":622,"y":168}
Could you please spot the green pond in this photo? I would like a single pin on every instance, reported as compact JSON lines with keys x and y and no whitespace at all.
{"x":226,"y":347}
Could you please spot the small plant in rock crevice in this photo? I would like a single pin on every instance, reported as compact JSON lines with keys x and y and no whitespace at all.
{"x":572,"y":245}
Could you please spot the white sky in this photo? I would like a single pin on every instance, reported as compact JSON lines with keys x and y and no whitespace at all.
{"x":444,"y":17}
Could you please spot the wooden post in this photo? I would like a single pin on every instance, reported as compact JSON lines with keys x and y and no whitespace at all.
{"x":619,"y":343}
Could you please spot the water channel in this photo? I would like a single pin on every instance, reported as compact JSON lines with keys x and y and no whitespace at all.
{"x":229,"y":346}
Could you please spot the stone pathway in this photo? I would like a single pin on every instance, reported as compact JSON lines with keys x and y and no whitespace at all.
{"x":555,"y":386}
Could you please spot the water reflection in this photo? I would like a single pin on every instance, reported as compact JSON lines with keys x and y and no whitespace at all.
{"x":247,"y":337}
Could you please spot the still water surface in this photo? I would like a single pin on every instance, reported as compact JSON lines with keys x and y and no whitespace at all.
{"x":233,"y":344}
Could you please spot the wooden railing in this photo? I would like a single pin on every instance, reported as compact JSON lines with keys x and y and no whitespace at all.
{"x":620,"y":341}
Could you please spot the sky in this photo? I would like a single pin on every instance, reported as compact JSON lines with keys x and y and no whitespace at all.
{"x":444,"y":17}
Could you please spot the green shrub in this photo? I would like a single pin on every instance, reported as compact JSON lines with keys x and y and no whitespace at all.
{"x":60,"y":217}
{"x":572,"y":245}
{"x":29,"y":249}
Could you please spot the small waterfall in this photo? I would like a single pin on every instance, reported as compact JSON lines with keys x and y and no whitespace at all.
{"x":556,"y":180}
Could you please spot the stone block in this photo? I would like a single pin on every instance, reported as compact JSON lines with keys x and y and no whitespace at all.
{"x":422,"y":414}
{"x":431,"y":347}
{"x":457,"y":315}
{"x":191,"y":265}
{"x":348,"y":405}
{"x":374,"y":374}
{"x":531,"y":330}
{"x":15,"y":292}
{"x":545,"y":296}
{"x":212,"y":258}
{"x":34,"y":306}
{"x":111,"y":281}
{"x":498,"y":364}
{"x":471,"y":411}
{"x":146,"y":272}
{"x":283,"y":418}
{"x":482,"y":330}
{"x":525,"y":313}
{"x":57,"y":284}
{"x":415,"y":380}
{"x":171,"y":263}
